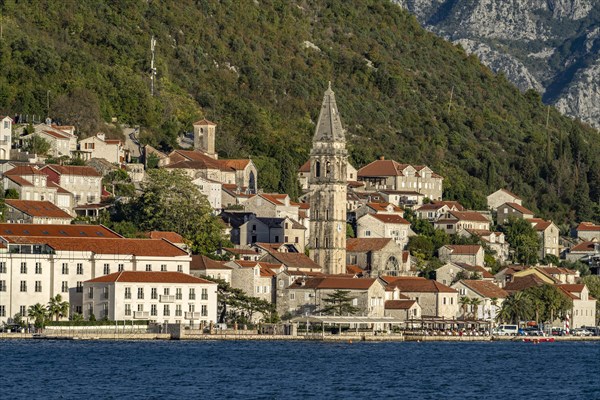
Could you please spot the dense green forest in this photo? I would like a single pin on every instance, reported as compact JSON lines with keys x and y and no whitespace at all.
{"x":259,"y":69}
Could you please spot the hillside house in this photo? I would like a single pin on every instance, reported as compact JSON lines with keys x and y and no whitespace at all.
{"x":434,"y":298}
{"x":490,"y":295}
{"x":512,"y":210}
{"x":35,"y":212}
{"x":377,"y":256}
{"x":6,"y":124}
{"x":84,"y":182}
{"x":98,"y":146}
{"x":384,"y":226}
{"x":500,"y":197}
{"x":472,"y":254}
{"x":450,"y":272}
{"x":549,"y":234}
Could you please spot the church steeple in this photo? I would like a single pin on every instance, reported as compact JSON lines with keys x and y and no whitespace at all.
{"x":327,"y":183}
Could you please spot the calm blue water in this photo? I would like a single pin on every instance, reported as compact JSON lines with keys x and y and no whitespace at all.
{"x":281,"y":370}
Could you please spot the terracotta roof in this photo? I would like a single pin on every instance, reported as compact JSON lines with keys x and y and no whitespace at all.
{"x":19,"y":181}
{"x":331,"y":282}
{"x":524,"y":282}
{"x":353,"y":269}
{"x":361,"y":245}
{"x":476,"y":268}
{"x":305,"y":167}
{"x":382,"y":206}
{"x":172,"y":237}
{"x":38,"y":208}
{"x":539,"y":224}
{"x":390,"y":219}
{"x":24,"y":170}
{"x":149,"y":277}
{"x":431,"y":206}
{"x":410,"y":285}
{"x":57,"y":135}
{"x":405,"y":192}
{"x":59,"y":189}
{"x":588,"y":226}
{"x":201,"y":263}
{"x":236,"y":164}
{"x":470,"y":249}
{"x":204,"y":122}
{"x":56,"y":230}
{"x":294,"y":260}
{"x":136,"y":247}
{"x":399,"y":304}
{"x":450,"y":204}
{"x":266,"y":269}
{"x":485,"y":288}
{"x":78,"y":170}
{"x":519,"y":208}
{"x":469,"y":216}
{"x":275,"y":198}
{"x":382,"y":168}
{"x":573,"y":288}
{"x":570,"y":295}
{"x":585,"y":247}
{"x":480,"y":232}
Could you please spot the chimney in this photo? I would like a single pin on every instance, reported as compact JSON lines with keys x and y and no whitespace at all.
{"x":382,"y":157}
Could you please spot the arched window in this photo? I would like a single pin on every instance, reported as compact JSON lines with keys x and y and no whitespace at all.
{"x":252,"y":183}
{"x":317,"y":169}
{"x":328,"y":168}
{"x":392,"y":266}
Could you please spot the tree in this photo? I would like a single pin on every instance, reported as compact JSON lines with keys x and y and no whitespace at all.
{"x":464,"y":302}
{"x":548,"y":302}
{"x":523,"y":239}
{"x":39,"y":313}
{"x":516,"y":307}
{"x":57,"y":307}
{"x":118,"y":182}
{"x":11,"y":194}
{"x":421,"y":244}
{"x":37,"y":145}
{"x":339,"y":303}
{"x":171,"y":202}
{"x":475,"y":303}
{"x":79,"y":108}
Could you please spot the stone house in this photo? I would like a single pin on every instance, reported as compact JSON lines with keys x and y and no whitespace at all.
{"x":212,"y":190}
{"x":35,"y":212}
{"x":5,"y":137}
{"x":62,"y":139}
{"x":231,"y":196}
{"x":549,"y":235}
{"x":584,"y":251}
{"x":514,"y":210}
{"x":272,"y":230}
{"x":378,"y":208}
{"x":403,"y":198}
{"x":272,"y":205}
{"x":500,"y":197}
{"x":98,"y":146}
{"x":161,"y":297}
{"x":434,"y":298}
{"x":388,"y":174}
{"x":84,"y":182}
{"x":432,"y":212}
{"x":403,"y":309}
{"x":459,"y":222}
{"x":377,"y":256}
{"x":293,"y":262}
{"x":256,"y":279}
{"x":491,"y":297}
{"x":584,"y":305}
{"x":588,"y":231}
{"x":384,"y":226}
{"x":305,"y":296}
{"x":446,"y":274}
{"x":495,"y":241}
{"x":472,"y":254}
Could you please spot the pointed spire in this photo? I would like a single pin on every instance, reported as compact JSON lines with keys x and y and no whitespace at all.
{"x":329,"y":126}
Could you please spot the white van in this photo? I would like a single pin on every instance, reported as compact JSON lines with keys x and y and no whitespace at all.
{"x":504,"y":330}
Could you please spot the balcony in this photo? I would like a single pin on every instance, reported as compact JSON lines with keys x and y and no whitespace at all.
{"x":192,"y":315}
{"x":167,"y":298}
{"x":141,"y":314}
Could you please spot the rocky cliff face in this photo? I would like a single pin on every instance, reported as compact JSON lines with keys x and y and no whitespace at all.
{"x":551,"y":46}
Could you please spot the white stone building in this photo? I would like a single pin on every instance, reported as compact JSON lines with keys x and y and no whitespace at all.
{"x":162,"y":297}
{"x":97,"y":146}
{"x":84,"y":182}
{"x":502,"y":196}
{"x":5,"y":137}
{"x":384,"y":226}
{"x":35,"y":212}
{"x":472,"y":254}
{"x":212,"y":190}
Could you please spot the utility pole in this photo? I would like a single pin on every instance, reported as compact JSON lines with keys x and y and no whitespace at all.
{"x":152,"y":69}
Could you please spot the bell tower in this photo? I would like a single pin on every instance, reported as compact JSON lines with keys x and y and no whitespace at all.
{"x":204,"y":137}
{"x":327,"y":183}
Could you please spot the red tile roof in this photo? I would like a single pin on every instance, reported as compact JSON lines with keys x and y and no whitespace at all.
{"x":519,"y":208}
{"x":390,"y":219}
{"x":476,"y":268}
{"x":584,"y":247}
{"x":588,"y":226}
{"x":136,"y":247}
{"x":19,"y":181}
{"x":524,"y":282}
{"x":201,"y":263}
{"x":172,"y":237}
{"x":59,"y":189}
{"x":573,"y":288}
{"x":469,"y":216}
{"x":236,"y":164}
{"x":382,"y":168}
{"x":294,"y":260}
{"x":331,"y":282}
{"x":399,"y":304}
{"x":361,"y":245}
{"x":411,"y":285}
{"x":539,"y":224}
{"x":78,"y":170}
{"x":485,"y":288}
{"x":382,"y":206}
{"x":149,"y":277}
{"x":204,"y":122}
{"x":470,"y":249}
{"x":353,"y":269}
{"x":38,"y":208}
{"x":450,"y":204}
{"x":55,"y":230}
{"x":24,"y":170}
{"x":57,"y":135}
{"x":305,"y":167}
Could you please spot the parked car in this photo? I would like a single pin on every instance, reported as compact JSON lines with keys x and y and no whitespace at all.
{"x":558,"y":332}
{"x":582,"y":332}
{"x":533,"y":331}
{"x":504,"y":330}
{"x":594,"y":329}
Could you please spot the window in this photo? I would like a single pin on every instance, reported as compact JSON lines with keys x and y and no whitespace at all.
{"x":38,"y":268}
{"x":90,"y":293}
{"x":191,"y":308}
{"x":65,"y":268}
{"x":2,"y":267}
{"x":105,"y":310}
{"x":148,"y":267}
{"x":166,"y":310}
{"x":78,"y":309}
{"x":106,"y":269}
{"x":204,"y":310}
{"x":2,"y":311}
{"x":23,"y":310}
{"x":23,"y":286}
{"x":153,"y":311}
{"x":178,"y":295}
{"x":127,"y":309}
{"x":281,"y":283}
{"x":140,"y":307}
{"x":367,"y":233}
{"x":2,"y":286}
{"x":443,"y":300}
{"x":127,"y":293}
{"x":276,"y":239}
{"x":179,"y":268}
{"x":140,"y":293}
{"x":297,"y":239}
{"x":451,"y":300}
{"x":204,"y":294}
{"x":163,"y":267}
{"x":178,"y":310}
{"x":79,"y":288}
{"x":105,"y":292}
{"x":192,"y":295}
{"x":79,"y":269}
{"x":166,"y":291}
{"x":153,"y":293}
{"x":120,"y":267}
{"x":64,"y":286}
{"x":23,"y":268}
{"x":292,"y":296}
{"x":258,"y":289}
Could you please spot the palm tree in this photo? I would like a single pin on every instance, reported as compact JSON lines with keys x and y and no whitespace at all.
{"x":475,"y":303}
{"x":464,"y":302}
{"x":57,"y":307}
{"x":39,"y":313}
{"x":515,"y":308}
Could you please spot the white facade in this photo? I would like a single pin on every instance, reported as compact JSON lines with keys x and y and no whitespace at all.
{"x":162,"y":297}
{"x":212,"y":190}
{"x":5,"y":137}
{"x":99,"y":147}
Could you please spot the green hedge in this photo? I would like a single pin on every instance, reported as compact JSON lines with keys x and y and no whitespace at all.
{"x":96,"y":323}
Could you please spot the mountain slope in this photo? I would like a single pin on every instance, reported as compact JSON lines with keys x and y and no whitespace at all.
{"x":259,"y":70}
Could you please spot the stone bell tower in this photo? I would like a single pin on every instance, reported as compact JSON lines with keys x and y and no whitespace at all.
{"x":327,"y":183}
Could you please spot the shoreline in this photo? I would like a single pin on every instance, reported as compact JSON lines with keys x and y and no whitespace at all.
{"x":277,"y":338}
